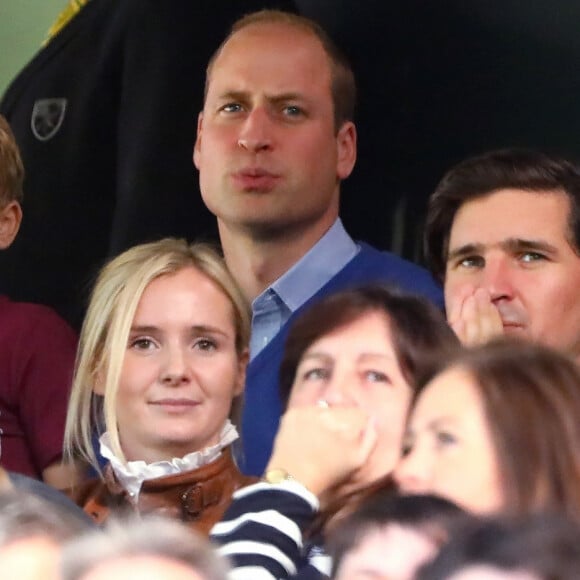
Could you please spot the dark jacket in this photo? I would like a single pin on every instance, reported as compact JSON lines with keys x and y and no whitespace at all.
{"x":105,"y":116}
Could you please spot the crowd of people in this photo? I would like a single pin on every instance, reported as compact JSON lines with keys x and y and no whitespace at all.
{"x":298,"y":404}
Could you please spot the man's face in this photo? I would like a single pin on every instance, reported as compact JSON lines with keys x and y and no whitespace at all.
{"x":269,"y":157}
{"x":514,"y":245}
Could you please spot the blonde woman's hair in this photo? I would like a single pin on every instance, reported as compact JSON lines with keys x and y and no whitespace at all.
{"x":107,"y":324}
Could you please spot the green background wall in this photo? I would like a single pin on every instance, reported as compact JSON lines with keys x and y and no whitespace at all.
{"x":23,"y":26}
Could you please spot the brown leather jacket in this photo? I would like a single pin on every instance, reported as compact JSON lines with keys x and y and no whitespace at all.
{"x":198,"y":497}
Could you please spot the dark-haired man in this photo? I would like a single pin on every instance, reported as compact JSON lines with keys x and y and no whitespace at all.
{"x":503,"y":234}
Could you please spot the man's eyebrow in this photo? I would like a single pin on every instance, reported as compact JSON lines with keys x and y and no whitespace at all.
{"x":233,"y":96}
{"x":514,"y":245}
{"x":509,"y":245}
{"x":240,"y":95}
{"x":285,"y":97}
{"x":465,"y":250}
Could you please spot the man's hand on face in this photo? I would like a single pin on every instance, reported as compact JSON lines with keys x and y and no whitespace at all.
{"x":474,"y":317}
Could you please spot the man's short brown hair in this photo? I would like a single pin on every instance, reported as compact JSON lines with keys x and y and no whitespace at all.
{"x":343,"y":85}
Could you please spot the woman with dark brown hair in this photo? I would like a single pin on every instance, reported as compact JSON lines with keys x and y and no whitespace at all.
{"x":498,"y":431}
{"x":351,"y":365}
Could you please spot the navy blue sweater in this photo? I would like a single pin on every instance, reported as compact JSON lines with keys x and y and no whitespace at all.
{"x":262,"y":408}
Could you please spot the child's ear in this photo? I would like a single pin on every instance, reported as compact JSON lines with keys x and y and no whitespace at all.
{"x":10,"y":218}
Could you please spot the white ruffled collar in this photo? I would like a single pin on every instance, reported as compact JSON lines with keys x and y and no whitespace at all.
{"x":132,"y":474}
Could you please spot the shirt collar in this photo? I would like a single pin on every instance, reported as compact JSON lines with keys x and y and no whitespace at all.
{"x":321,"y":263}
{"x":132,"y":474}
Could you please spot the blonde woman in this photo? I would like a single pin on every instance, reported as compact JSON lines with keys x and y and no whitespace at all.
{"x":161,"y":365}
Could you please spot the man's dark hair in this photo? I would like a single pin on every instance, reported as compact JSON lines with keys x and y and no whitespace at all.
{"x":484,"y":174}
{"x":547,"y":546}
{"x":429,"y":515}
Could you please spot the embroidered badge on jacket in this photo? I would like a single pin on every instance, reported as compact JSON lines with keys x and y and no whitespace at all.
{"x":47,"y":117}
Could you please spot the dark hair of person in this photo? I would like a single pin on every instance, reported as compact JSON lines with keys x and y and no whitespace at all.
{"x":343,"y":85}
{"x":430,"y":515}
{"x":484,"y":174}
{"x":531,"y":399}
{"x":421,"y":336}
{"x":149,"y":536}
{"x":545,"y":545}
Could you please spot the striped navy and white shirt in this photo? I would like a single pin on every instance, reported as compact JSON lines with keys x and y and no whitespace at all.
{"x":261,"y":534}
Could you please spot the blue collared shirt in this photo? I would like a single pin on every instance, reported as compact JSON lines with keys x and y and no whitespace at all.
{"x":273,"y":307}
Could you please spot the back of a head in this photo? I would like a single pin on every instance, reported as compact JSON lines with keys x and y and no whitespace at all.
{"x":25,"y":514}
{"x":428,"y":515}
{"x":142,"y":568}
{"x":168,"y":544}
{"x":545,"y":547}
{"x":33,"y":530}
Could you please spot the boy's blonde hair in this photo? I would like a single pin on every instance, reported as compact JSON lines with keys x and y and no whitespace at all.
{"x":11,"y":167}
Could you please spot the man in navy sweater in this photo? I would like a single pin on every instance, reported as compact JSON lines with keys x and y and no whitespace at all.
{"x":275,"y":139}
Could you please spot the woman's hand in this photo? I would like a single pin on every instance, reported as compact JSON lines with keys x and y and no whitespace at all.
{"x":322,"y":447}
